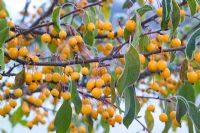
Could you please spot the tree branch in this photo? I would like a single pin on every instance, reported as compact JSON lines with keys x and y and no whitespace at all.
{"x":44,"y":15}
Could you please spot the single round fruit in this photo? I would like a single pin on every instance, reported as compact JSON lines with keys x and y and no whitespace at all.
{"x":142,"y":59}
{"x":161,"y":65}
{"x":175,"y":43}
{"x":197,"y":57}
{"x":107,"y":26}
{"x":18,"y":92}
{"x":85,"y":71}
{"x":48,"y":77}
{"x":152,"y":47}
{"x":68,"y":70}
{"x":159,"y":11}
{"x":7,"y":108}
{"x":192,"y":77}
{"x":13,"y":53}
{"x":165,"y":73}
{"x":96,"y":92}
{"x":75,"y":76}
{"x":94,"y":114}
{"x":72,"y":41}
{"x":56,"y":77}
{"x":46,"y":38}
{"x":66,"y":95}
{"x":108,"y":46}
{"x":90,"y":84}
{"x":23,"y":52}
{"x":79,"y":39}
{"x":163,"y":117}
{"x":99,"y":83}
{"x":173,"y":115}
{"x":32,"y":86}
{"x":111,"y":34}
{"x":182,"y":13}
{"x":105,"y":115}
{"x":130,"y":25}
{"x":86,"y":109}
{"x":12,"y":103}
{"x":28,"y":77}
{"x":82,"y":129}
{"x":37,"y":76}
{"x":55,"y":92}
{"x":118,"y":70}
{"x":3,"y":14}
{"x":100,"y":24}
{"x":165,"y":38}
{"x":154,"y":86}
{"x":111,"y":111}
{"x":151,"y":108}
{"x":152,"y":66}
{"x":62,"y":34}
{"x":90,"y":27}
{"x":107,"y":91}
{"x":118,"y":118}
{"x":120,"y":32}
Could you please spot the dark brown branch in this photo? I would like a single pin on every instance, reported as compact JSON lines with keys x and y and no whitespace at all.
{"x":28,"y":2}
{"x":45,"y":14}
{"x":144,"y":127}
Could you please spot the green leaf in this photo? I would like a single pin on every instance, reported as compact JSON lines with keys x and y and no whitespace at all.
{"x":141,"y":11}
{"x":19,"y":79}
{"x":52,"y":48}
{"x":143,"y":43}
{"x":194,"y":114}
{"x":166,"y":13}
{"x":137,"y":106}
{"x":112,"y":86}
{"x":190,"y":125}
{"x":90,"y":123}
{"x":75,"y":97}
{"x":181,"y":108}
{"x":3,"y":24}
{"x":56,"y":18}
{"x":128,"y":4}
{"x":193,"y":6}
{"x":138,"y":31}
{"x":2,"y":65}
{"x":92,"y":13}
{"x":73,"y":89}
{"x":105,"y":125}
{"x":186,"y":89}
{"x":192,"y":43}
{"x":77,"y":103}
{"x":197,"y":88}
{"x":89,"y":38}
{"x":63,"y":117}
{"x":16,"y":117}
{"x":175,"y":17}
{"x":127,"y":34}
{"x":4,"y":34}
{"x":173,"y":56}
{"x":104,"y":10}
{"x":130,"y":106}
{"x":149,"y":120}
{"x":129,"y":75}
